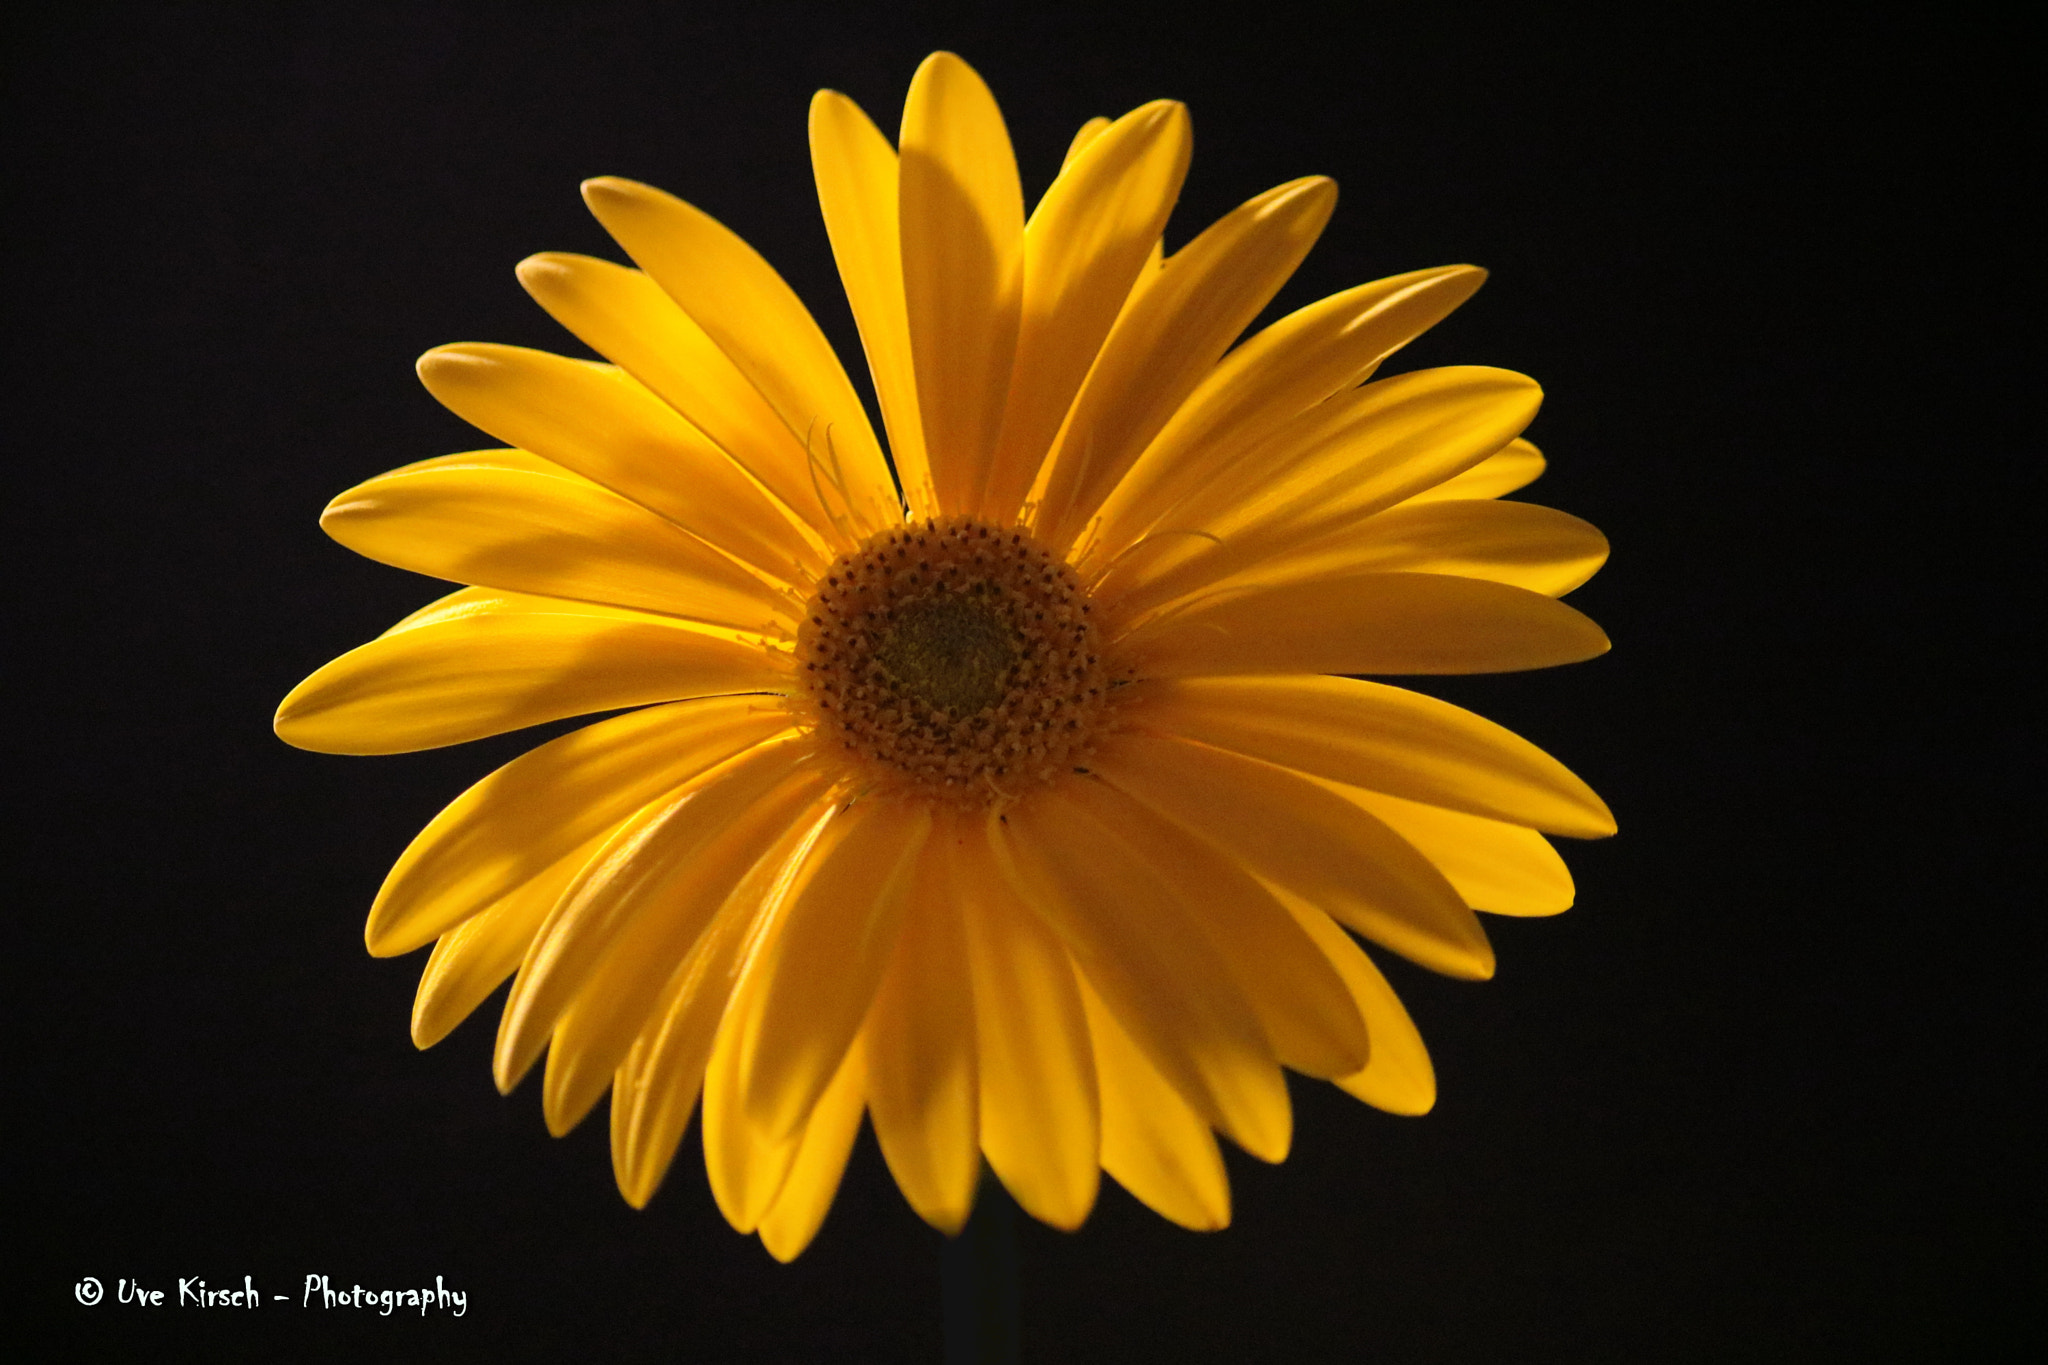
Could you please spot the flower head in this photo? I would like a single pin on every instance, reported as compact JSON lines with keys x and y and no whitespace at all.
{"x":1007,"y":789}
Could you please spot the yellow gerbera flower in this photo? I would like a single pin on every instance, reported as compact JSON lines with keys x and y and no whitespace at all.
{"x":1007,"y":800}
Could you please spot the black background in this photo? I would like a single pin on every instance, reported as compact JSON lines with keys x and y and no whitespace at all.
{"x":1757,"y":1097}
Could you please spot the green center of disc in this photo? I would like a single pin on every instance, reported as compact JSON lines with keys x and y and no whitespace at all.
{"x":950,"y":651}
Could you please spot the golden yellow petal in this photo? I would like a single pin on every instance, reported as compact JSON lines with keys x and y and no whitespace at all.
{"x":1301,"y":1005}
{"x":620,"y":996}
{"x":800,"y":1209}
{"x":1155,"y":1145}
{"x":605,"y":425}
{"x":1085,"y":134}
{"x":962,"y":219}
{"x":1341,"y":461}
{"x":1038,"y":1106}
{"x":1381,"y":623}
{"x":920,"y":1050}
{"x":1496,"y":867}
{"x":761,"y":325}
{"x":1517,"y":465}
{"x":836,"y":939}
{"x":1167,"y":339}
{"x":1084,"y":247}
{"x":1516,"y":543}
{"x":1293,"y":833}
{"x":511,"y":664}
{"x":1386,"y":739}
{"x":518,"y":822}
{"x":1282,"y":372}
{"x":679,"y":1052}
{"x":1398,"y":1078}
{"x":855,"y":168}
{"x":651,"y":876}
{"x":473,"y":959}
{"x":1168,"y":986}
{"x":523,"y":525}
{"x":624,"y":316}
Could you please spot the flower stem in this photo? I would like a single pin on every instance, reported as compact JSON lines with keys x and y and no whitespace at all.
{"x":979,"y":1270}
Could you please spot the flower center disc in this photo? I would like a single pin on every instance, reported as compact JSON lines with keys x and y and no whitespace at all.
{"x":955,"y":658}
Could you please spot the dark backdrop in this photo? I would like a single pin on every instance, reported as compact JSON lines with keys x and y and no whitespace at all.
{"x":1757,"y":1097}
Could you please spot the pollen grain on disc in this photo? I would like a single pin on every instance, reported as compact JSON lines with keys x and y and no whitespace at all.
{"x":957,"y":660}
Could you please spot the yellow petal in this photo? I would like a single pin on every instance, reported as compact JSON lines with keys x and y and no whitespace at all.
{"x":962,"y":215}
{"x":800,"y":1209}
{"x":920,"y":1048}
{"x":1293,"y":833}
{"x":514,"y":662}
{"x":761,"y":325}
{"x":1341,"y":461}
{"x":1039,"y":1111}
{"x":855,"y":168}
{"x":1301,"y":1005}
{"x":1155,"y":1145}
{"x":619,"y":999}
{"x":1517,"y":543}
{"x":520,"y":524}
{"x":678,"y":1052}
{"x":1277,"y":375}
{"x":1497,"y":867}
{"x":474,"y":958}
{"x":1085,"y":134}
{"x":1386,"y":739}
{"x":657,"y":874}
{"x":1084,"y":247}
{"x":1517,"y":465}
{"x":1398,"y":1078}
{"x":623,"y":315}
{"x":836,"y":939}
{"x":1386,"y":623}
{"x":1167,"y":340}
{"x":1168,"y":986}
{"x":604,"y":424}
{"x":518,"y":822}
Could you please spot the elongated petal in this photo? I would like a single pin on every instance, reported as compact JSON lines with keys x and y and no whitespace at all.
{"x":836,"y":941}
{"x":1398,"y":1078}
{"x":1497,"y":867}
{"x":624,"y":316}
{"x":1155,"y":1145}
{"x":652,"y":868}
{"x":764,"y":329}
{"x":1388,"y":623}
{"x":1340,"y":462}
{"x":1516,"y":465}
{"x":1083,"y":249}
{"x":920,"y":1049}
{"x":1169,"y":337}
{"x":1138,"y":948}
{"x":1039,"y":1110}
{"x":1085,"y":134}
{"x":1293,"y":833}
{"x":1385,"y":739}
{"x":1516,"y":543}
{"x":659,"y":1081}
{"x":521,"y":524}
{"x":1302,"y":1006}
{"x":516,"y":823}
{"x":489,"y":671}
{"x":806,"y":1196}
{"x":620,"y":998}
{"x":473,"y":959}
{"x":856,"y":171}
{"x":962,"y":214}
{"x":607,"y":426}
{"x":1277,"y":375}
